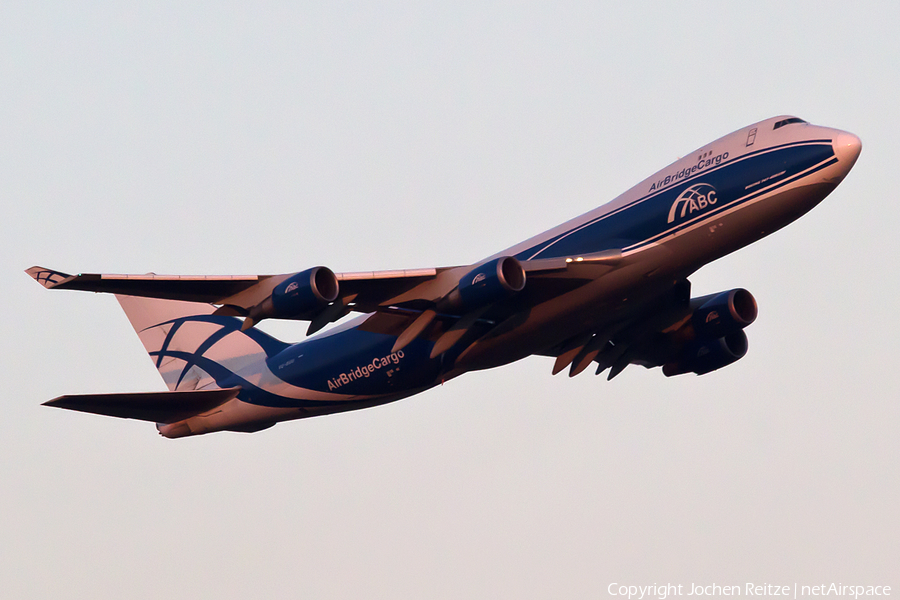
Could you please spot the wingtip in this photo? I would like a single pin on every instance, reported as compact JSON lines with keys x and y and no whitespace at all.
{"x":58,"y":402}
{"x":46,"y":277}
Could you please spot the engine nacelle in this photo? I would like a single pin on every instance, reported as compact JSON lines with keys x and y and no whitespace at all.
{"x":488,"y":283}
{"x":296,"y":297}
{"x":704,"y":356}
{"x":304,"y":292}
{"x":724,"y":313}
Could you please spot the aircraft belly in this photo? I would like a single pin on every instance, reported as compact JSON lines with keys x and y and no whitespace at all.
{"x":714,"y":238}
{"x":354,"y":366}
{"x":586,"y":308}
{"x":233,"y":414}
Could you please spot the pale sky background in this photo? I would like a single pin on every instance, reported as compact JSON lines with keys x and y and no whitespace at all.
{"x":271,"y":137}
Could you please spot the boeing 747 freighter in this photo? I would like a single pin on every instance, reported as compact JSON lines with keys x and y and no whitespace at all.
{"x":607,"y":289}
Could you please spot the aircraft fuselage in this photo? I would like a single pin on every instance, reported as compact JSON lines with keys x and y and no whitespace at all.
{"x":713,"y":201}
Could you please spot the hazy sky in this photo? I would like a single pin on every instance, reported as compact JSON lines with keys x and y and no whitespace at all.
{"x":267,"y":138}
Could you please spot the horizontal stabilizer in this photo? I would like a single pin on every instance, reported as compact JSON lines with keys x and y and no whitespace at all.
{"x":157,"y":407}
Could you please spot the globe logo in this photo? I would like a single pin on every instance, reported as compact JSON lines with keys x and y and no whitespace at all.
{"x":693,"y":199}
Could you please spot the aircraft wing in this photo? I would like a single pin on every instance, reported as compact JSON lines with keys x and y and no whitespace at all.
{"x":637,"y":334}
{"x":408,"y":291}
{"x":238,"y":294}
{"x":242,"y":291}
{"x":667,"y":328}
{"x":370,"y":289}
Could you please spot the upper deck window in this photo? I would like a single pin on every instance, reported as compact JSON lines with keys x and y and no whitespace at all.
{"x":788,"y":122}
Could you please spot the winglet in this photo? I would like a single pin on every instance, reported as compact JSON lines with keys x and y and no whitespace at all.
{"x":47,"y":277}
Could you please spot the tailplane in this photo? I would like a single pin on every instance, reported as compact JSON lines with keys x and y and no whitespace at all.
{"x":205,"y":360}
{"x":158,"y":407}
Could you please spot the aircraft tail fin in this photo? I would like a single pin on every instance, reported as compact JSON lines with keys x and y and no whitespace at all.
{"x":158,"y":407}
{"x":194,"y":349}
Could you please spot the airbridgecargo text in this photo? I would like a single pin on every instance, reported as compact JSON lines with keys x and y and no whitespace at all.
{"x":365,"y":370}
{"x":663,"y":591}
{"x":691,"y":170}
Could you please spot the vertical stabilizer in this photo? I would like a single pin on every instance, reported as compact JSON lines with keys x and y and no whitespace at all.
{"x":192,"y":348}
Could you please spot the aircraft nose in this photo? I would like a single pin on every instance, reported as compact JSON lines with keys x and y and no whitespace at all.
{"x":847,"y":147}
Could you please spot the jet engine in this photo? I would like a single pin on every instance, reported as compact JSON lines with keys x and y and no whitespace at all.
{"x":488,"y":283}
{"x":723,"y":313}
{"x":704,"y":356}
{"x":713,"y":337}
{"x":304,"y":292}
{"x":298,"y":296}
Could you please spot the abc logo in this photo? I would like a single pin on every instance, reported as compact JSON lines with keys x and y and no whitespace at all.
{"x":693,"y":199}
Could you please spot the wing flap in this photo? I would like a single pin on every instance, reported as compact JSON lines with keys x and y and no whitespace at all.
{"x":157,"y":407}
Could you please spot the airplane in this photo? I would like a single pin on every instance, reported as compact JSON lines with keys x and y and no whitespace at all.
{"x":608,"y":288}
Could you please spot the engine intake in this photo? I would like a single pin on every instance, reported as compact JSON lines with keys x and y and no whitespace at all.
{"x":304,"y":292}
{"x":724,"y":313}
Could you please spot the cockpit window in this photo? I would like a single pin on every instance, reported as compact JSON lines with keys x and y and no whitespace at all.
{"x":788,"y":122}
